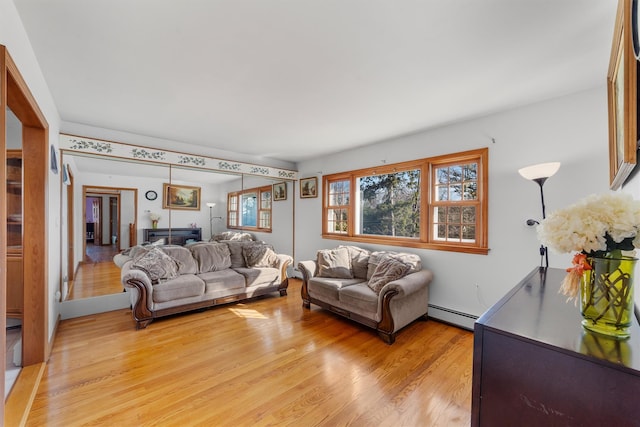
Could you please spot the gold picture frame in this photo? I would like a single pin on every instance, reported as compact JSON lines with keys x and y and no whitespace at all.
{"x":280,"y":191}
{"x":180,"y":197}
{"x":309,"y":187}
{"x":622,"y":99}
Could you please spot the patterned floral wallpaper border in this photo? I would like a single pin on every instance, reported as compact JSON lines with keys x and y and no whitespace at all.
{"x":134,"y":152}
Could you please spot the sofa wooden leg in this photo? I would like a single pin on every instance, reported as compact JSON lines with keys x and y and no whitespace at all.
{"x":283,"y":292}
{"x":306,"y":304}
{"x":424,"y":317}
{"x":387,"y":337}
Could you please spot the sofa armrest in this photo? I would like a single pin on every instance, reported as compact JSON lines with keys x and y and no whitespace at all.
{"x":139,"y":284}
{"x":283,"y":261}
{"x":130,"y":275}
{"x":409,"y":284}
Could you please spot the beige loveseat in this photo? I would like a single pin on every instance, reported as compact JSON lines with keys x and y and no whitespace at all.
{"x":382,"y":290}
{"x":165,"y":280}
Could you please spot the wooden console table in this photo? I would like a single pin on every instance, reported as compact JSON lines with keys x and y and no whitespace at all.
{"x":535,"y":365}
{"x":172,"y":236}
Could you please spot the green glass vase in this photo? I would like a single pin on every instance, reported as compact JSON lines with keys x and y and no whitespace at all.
{"x":606,"y":295}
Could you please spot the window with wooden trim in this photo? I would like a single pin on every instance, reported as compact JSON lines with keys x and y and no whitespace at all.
{"x":435,"y":203}
{"x":250,"y":209}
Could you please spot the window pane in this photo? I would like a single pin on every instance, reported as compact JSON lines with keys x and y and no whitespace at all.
{"x":339,"y":193}
{"x":233,"y":219}
{"x":453,"y":232}
{"x":441,"y":214}
{"x":442,"y":231}
{"x":469,"y":233}
{"x":337,"y":221}
{"x":249,"y":209}
{"x":233,"y":203}
{"x":265,"y":219}
{"x":390,"y":204}
{"x":469,"y":215}
{"x":442,"y":193}
{"x":454,"y":214}
{"x":471,"y":191}
{"x":455,"y":193}
{"x":471,"y":172}
{"x":265,"y":200}
{"x":455,"y":174}
{"x":442,"y":175}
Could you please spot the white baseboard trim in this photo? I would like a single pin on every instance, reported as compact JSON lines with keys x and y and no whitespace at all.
{"x":86,"y":306}
{"x":457,"y":318}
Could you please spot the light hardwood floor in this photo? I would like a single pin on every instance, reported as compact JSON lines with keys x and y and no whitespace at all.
{"x":265,"y":362}
{"x":95,"y":279}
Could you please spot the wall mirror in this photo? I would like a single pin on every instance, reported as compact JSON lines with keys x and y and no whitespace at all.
{"x":120,"y":197}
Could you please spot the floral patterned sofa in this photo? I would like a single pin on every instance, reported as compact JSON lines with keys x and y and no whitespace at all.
{"x":383,"y":290}
{"x":170,"y":279}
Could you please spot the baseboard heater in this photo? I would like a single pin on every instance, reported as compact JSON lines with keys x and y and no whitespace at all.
{"x":457,"y":318}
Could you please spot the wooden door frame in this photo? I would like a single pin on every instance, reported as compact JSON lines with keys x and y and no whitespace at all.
{"x":111,"y":191}
{"x":117,"y":220}
{"x":15,"y":94}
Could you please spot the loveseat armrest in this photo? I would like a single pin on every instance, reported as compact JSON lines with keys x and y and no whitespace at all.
{"x":409,"y":284}
{"x":308,"y":269}
{"x":403,"y":301}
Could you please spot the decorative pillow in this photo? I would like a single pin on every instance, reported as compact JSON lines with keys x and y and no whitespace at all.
{"x":334,"y":263}
{"x":232,"y":235}
{"x":259,"y":256}
{"x":377,"y":257}
{"x":211,"y":256}
{"x":359,"y":260}
{"x":182,"y":256}
{"x":157,"y":265}
{"x":388,"y":270}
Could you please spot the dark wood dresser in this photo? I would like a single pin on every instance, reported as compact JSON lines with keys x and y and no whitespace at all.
{"x":172,"y":236}
{"x":535,"y":365}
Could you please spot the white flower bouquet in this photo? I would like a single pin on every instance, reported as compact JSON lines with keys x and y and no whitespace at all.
{"x":603,"y":225}
{"x":154,"y":216}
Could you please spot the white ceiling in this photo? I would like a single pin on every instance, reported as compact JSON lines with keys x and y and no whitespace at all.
{"x":295,"y":79}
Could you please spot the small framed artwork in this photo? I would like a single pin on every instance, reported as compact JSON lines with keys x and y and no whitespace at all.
{"x":621,"y":89}
{"x":280,"y":191}
{"x":180,"y":197}
{"x":309,"y":187}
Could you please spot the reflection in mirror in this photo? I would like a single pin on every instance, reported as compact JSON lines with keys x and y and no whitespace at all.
{"x":102,"y":203}
{"x":147,"y":180}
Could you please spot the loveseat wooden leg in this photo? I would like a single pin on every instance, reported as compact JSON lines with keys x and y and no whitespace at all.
{"x":141,"y":324}
{"x":283,"y":292}
{"x":306,"y":304}
{"x":424,"y":317}
{"x":387,"y":337}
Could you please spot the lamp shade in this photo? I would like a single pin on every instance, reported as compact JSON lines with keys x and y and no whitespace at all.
{"x":542,"y":170}
{"x":210,"y":204}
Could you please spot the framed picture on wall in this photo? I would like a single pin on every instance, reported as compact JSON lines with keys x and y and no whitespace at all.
{"x":309,"y":187}
{"x":621,"y":91}
{"x":180,"y":197}
{"x":280,"y":191}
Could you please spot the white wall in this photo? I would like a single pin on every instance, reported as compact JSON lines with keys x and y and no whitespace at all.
{"x":14,"y":37}
{"x":571,"y":129}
